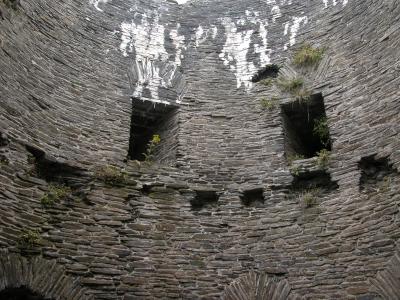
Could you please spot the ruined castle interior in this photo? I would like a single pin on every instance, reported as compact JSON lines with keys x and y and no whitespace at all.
{"x":199,"y":149}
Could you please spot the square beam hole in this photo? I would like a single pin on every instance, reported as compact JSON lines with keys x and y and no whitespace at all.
{"x":204,"y":198}
{"x":253,"y":197}
{"x":149,"y":119}
{"x":305,"y":127}
{"x":269,"y":71}
{"x":374,"y":171}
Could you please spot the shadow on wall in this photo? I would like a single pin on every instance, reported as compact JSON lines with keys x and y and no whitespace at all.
{"x":21,"y":293}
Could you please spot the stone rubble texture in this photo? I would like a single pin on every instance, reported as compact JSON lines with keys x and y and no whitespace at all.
{"x":68,"y":70}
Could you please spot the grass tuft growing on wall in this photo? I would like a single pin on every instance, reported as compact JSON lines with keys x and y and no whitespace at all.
{"x":308,"y":56}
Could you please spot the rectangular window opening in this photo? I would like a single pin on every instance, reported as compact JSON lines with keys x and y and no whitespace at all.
{"x":305,"y":127}
{"x":150,"y":119}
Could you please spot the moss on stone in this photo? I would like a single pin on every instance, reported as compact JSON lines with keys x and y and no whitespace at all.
{"x":268,"y":103}
{"x":111,"y":175}
{"x":29,"y":238}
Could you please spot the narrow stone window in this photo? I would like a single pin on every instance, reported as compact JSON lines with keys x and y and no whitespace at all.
{"x":204,"y":198}
{"x":269,"y":71}
{"x":375,"y":173}
{"x":150,"y":119}
{"x":305,"y":127}
{"x":253,"y":197}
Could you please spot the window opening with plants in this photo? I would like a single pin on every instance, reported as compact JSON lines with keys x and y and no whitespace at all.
{"x":306,"y":127}
{"x":150,"y":125}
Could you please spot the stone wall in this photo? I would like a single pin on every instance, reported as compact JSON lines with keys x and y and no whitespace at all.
{"x":69,"y":71}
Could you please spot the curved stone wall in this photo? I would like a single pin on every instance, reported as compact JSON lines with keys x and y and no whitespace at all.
{"x":68,"y":71}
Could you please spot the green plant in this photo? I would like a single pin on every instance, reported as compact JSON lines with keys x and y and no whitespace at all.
{"x":267,"y":81}
{"x":151,"y":147}
{"x":29,"y":238}
{"x":309,"y":197}
{"x":111,"y":175}
{"x":321,"y":130}
{"x":384,"y":186}
{"x":4,"y":160}
{"x":11,"y":3}
{"x":268,"y":103}
{"x":292,"y":157}
{"x":308,"y":56}
{"x":323,"y":158}
{"x":291,"y":85}
{"x":295,"y":170}
{"x":55,"y":193}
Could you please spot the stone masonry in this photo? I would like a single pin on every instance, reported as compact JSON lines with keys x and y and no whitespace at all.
{"x":219,"y":212}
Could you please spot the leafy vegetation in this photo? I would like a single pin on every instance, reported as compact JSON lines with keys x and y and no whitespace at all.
{"x":321,"y":130}
{"x":55,"y":193}
{"x":111,"y":175}
{"x":308,"y":56}
{"x":323,"y":158}
{"x":29,"y":238}
{"x":268,"y":103}
{"x":151,"y":147}
{"x":293,"y":157}
{"x":12,"y":3}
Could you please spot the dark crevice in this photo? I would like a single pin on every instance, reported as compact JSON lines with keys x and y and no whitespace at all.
{"x":21,"y":293}
{"x":253,"y":197}
{"x":4,"y":144}
{"x":269,"y":71}
{"x":149,"y":119}
{"x":60,"y":173}
{"x":300,"y":119}
{"x":4,"y":141}
{"x":374,"y":171}
{"x":51,"y":170}
{"x":204,"y":198}
{"x":146,"y":189}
